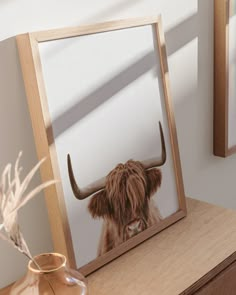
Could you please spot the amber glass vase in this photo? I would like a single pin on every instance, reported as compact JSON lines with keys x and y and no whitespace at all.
{"x":50,"y":276}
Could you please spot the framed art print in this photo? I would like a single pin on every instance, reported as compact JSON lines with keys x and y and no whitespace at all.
{"x":225,"y":78}
{"x":101,"y":113}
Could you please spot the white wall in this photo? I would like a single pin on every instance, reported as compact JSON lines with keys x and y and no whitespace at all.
{"x":189,"y":33}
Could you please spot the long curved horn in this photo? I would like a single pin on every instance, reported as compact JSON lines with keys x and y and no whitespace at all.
{"x":89,"y":190}
{"x":155,"y":162}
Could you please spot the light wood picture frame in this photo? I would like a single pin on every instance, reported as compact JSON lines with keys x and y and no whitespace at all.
{"x":224,"y":77}
{"x":59,"y":68}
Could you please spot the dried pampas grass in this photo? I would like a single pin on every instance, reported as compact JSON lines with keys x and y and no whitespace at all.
{"x":13,"y":196}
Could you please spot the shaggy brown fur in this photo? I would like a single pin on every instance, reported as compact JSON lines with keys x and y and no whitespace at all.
{"x":125,"y":204}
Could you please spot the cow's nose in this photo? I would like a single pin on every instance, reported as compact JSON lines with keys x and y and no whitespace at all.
{"x":135,"y":226}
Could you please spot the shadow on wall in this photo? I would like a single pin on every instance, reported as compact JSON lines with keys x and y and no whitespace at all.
{"x":175,"y":38}
{"x":203,"y":173}
{"x":13,"y":104}
{"x":16,"y":131}
{"x":16,"y":135}
{"x":195,"y":114}
{"x":108,"y":12}
{"x":206,"y":176}
{"x":193,"y":102}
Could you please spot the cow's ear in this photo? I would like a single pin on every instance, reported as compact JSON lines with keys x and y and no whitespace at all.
{"x":154,"y":177}
{"x":99,"y":205}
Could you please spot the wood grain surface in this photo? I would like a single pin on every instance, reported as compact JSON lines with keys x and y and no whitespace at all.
{"x":63,"y":33}
{"x":190,"y":255}
{"x":223,"y":284}
{"x":178,"y":260}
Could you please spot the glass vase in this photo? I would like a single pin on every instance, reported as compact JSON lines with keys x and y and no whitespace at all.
{"x":49,"y":275}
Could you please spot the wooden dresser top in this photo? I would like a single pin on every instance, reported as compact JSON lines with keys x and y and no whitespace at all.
{"x":178,"y":260}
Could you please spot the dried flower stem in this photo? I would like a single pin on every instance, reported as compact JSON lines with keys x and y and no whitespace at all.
{"x":12,"y":198}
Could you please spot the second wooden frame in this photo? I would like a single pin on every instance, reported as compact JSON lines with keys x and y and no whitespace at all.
{"x":224,"y":105}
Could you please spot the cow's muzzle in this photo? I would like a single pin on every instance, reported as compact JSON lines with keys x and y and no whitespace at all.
{"x":134,"y":227}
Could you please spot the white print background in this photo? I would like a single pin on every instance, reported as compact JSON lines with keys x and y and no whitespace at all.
{"x":232,"y":77}
{"x":102,"y":120}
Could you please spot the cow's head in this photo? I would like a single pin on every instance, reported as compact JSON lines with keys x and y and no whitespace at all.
{"x":123,"y":197}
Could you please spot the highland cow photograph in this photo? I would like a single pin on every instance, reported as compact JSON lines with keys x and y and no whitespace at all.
{"x":113,"y":137}
{"x":124,"y":199}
